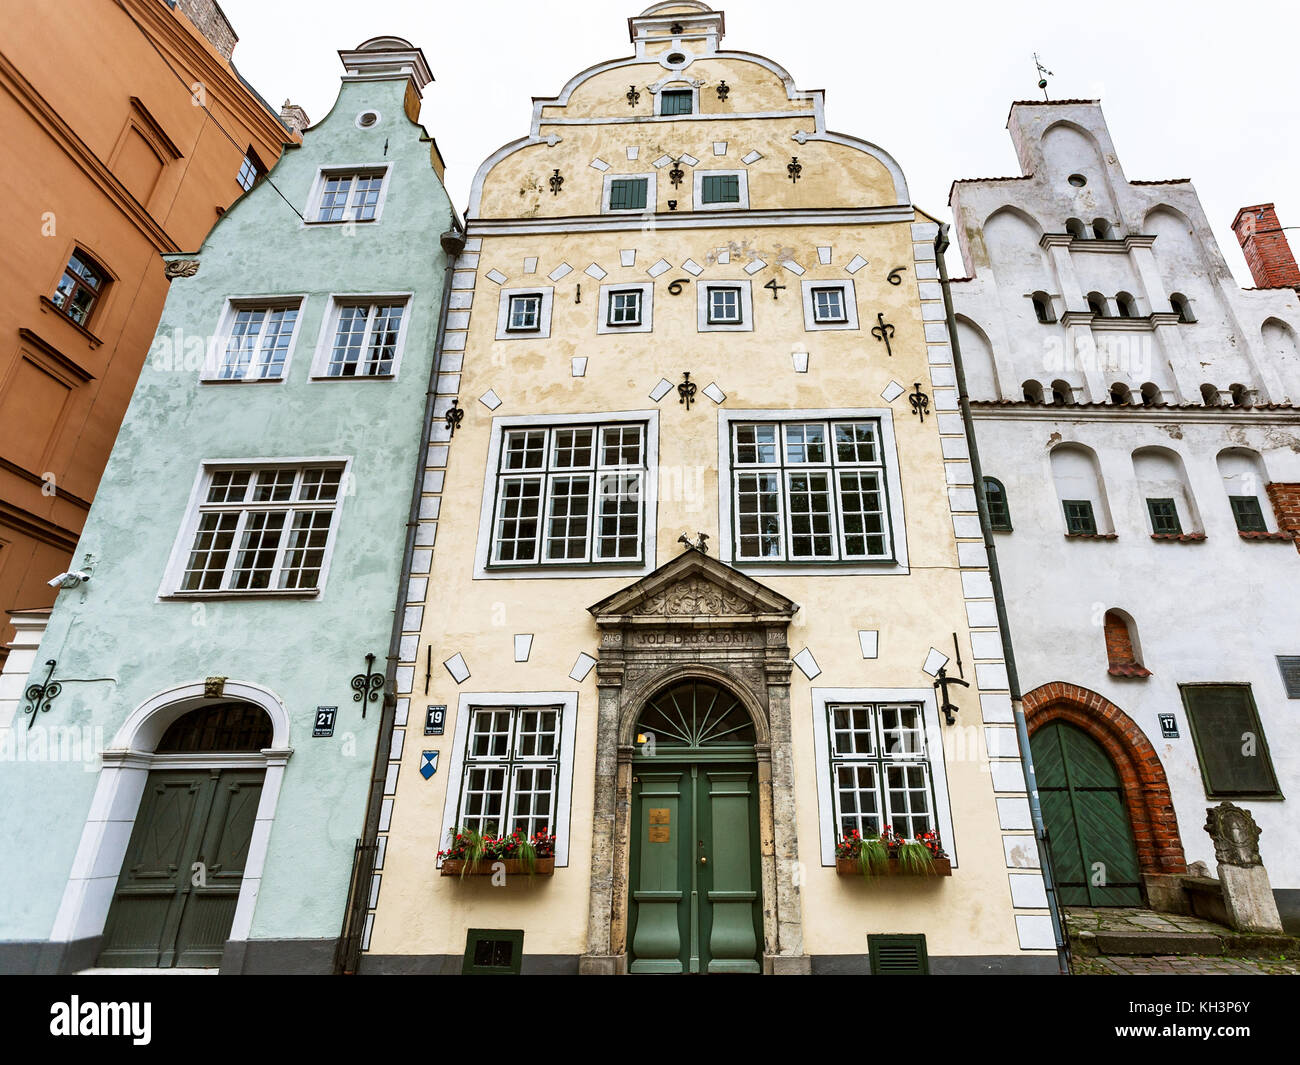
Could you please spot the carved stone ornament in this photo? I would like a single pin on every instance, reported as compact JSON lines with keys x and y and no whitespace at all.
{"x":693,"y":597}
{"x":180,"y":268}
{"x":1235,"y":835}
{"x":214,"y":687}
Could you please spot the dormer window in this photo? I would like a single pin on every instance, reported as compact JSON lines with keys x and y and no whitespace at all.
{"x":676,"y":102}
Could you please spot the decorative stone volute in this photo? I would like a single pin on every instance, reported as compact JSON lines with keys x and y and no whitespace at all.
{"x":1235,"y":835}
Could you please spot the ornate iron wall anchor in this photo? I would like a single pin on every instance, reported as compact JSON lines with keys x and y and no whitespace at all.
{"x":672,"y":205}
{"x":883,"y":331}
{"x":39,"y":696}
{"x":724,"y":90}
{"x":947,"y":706}
{"x":676,"y":174}
{"x":454,"y":417}
{"x":633,"y":97}
{"x":686,"y":390}
{"x":920,"y":402}
{"x":556,"y":182}
{"x":794,"y":168}
{"x":367,"y":685}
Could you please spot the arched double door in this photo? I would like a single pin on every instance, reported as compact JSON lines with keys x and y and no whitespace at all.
{"x":694,"y":898}
{"x":175,"y":899}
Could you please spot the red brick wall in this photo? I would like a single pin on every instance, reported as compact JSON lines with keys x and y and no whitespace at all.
{"x":1265,"y":246}
{"x":1286,"y":507}
{"x":1119,"y":645}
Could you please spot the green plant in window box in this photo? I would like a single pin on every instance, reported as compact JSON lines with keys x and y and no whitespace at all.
{"x":473,"y":853}
{"x":890,"y":854}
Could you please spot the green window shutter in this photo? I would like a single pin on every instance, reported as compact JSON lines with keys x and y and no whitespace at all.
{"x":720,"y":188}
{"x":1229,"y":741}
{"x":1164,"y":517}
{"x":898,"y":955}
{"x":1248,"y":515}
{"x":999,"y":510}
{"x":676,"y":102}
{"x":493,"y":952}
{"x":627,"y":194}
{"x":1290,"y":668}
{"x":1079,"y":519}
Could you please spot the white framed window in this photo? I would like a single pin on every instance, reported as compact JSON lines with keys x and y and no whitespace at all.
{"x":808,"y":489}
{"x":569,"y":493}
{"x":348,"y":194}
{"x":629,"y":194}
{"x":362,"y":336}
{"x":525,"y":313}
{"x":880,"y":761}
{"x":721,"y":190}
{"x":829,"y":305}
{"x":626,"y":308}
{"x":724,"y":306}
{"x":512,"y":765}
{"x":256,"y":337}
{"x":258,"y":528}
{"x":676,"y":100}
{"x":250,"y":170}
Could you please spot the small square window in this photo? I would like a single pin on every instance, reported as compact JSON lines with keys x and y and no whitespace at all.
{"x":625,"y":307}
{"x":724,"y":305}
{"x":676,"y":102}
{"x":720,"y":188}
{"x":828,"y":305}
{"x":628,"y":194}
{"x":493,"y":951}
{"x":80,"y":287}
{"x":1164,"y":517}
{"x":525,"y":313}
{"x":1079,"y":519}
{"x":1249,"y":517}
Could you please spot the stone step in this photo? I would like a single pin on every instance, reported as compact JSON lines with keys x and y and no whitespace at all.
{"x":1207,"y":944}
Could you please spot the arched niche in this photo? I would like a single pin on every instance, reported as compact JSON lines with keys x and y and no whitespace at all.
{"x":1161,"y":475}
{"x":1244,"y":477}
{"x":1076,"y":475}
{"x":977,"y":360}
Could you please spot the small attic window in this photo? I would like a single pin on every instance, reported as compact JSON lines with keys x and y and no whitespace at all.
{"x":367,"y":119}
{"x":1077,"y":180}
{"x":676,"y":59}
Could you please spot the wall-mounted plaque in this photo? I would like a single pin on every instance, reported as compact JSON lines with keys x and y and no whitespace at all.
{"x":324,"y":724}
{"x":1169,"y":726}
{"x":659,"y":833}
{"x":660,"y":816}
{"x":435,"y":720}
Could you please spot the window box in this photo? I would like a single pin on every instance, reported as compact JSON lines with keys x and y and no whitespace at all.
{"x":851,"y":867}
{"x":894,"y":855}
{"x":488,"y":867}
{"x":472,"y":854}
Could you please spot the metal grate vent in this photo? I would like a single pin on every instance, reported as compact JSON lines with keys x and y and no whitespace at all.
{"x":898,"y":955}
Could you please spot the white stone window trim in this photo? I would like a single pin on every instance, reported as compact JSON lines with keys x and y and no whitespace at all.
{"x":329,"y":327}
{"x":676,"y":85}
{"x":543,"y":330}
{"x":385,"y":169}
{"x":170,"y":587}
{"x":215,"y":357}
{"x":822,"y":700}
{"x":893,"y":490}
{"x":746,"y":323}
{"x":848,"y":295}
{"x":650,"y":500}
{"x":465,"y":704}
{"x":646,"y":325}
{"x":698,"y":177}
{"x":651,"y":193}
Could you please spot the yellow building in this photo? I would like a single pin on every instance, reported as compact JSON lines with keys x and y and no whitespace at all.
{"x":698,"y":534}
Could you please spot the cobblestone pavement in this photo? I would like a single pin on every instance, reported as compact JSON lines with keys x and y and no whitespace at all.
{"x":1185,"y":965}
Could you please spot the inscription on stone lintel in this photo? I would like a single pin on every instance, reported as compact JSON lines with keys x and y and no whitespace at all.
{"x":701,"y":638}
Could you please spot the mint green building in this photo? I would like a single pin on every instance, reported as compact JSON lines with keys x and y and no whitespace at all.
{"x":187,"y":744}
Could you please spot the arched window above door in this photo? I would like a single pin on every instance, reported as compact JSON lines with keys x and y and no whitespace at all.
{"x":694,"y":714}
{"x":220,"y":727}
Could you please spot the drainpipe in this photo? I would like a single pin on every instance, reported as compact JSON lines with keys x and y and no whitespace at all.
{"x":999,"y":601}
{"x":348,"y":958}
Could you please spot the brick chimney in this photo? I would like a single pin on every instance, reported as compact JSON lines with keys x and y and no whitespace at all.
{"x":212,"y":23}
{"x":1265,"y":246}
{"x":294,"y":117}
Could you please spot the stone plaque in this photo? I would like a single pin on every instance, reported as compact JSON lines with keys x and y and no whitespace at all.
{"x":659,"y":833}
{"x":659,"y":816}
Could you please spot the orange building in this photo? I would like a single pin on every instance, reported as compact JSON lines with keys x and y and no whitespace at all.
{"x":127,"y":132}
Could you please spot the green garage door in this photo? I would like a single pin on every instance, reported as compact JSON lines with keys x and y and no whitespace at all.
{"x":1091,"y":841}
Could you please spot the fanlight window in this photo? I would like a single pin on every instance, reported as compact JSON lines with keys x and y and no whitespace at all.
{"x":694,"y":714}
{"x":222,"y":727}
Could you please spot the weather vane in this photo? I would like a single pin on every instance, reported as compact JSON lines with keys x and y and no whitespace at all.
{"x":1043,"y":75}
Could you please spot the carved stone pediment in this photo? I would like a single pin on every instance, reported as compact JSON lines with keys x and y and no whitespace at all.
{"x":693,"y":586}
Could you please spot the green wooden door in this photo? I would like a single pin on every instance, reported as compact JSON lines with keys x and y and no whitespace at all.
{"x":694,"y":901}
{"x":1089,"y":835}
{"x":176,"y":895}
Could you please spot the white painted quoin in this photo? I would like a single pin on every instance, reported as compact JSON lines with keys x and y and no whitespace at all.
{"x":1110,"y":356}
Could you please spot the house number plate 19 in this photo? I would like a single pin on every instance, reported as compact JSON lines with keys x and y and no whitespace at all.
{"x":435,"y":720}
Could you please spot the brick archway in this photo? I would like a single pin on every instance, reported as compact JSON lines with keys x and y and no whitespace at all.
{"x":1146,"y":788}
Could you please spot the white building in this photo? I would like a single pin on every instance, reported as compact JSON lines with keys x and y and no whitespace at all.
{"x":1134,"y":412}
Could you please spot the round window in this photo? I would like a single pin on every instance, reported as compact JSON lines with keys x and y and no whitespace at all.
{"x":1078,"y":180}
{"x":676,"y":59}
{"x":367,"y":119}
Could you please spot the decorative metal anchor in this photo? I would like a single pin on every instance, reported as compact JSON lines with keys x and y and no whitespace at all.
{"x":39,"y":696}
{"x":724,"y":90}
{"x":883,"y":331}
{"x":947,"y":706}
{"x":556,"y":182}
{"x":686,"y":390}
{"x":454,"y":417}
{"x":676,"y":174}
{"x":367,"y":685}
{"x":794,"y":168}
{"x":633,"y":97}
{"x":920,"y":402}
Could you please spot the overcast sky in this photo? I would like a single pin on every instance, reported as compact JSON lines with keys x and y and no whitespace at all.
{"x":1191,"y":89}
